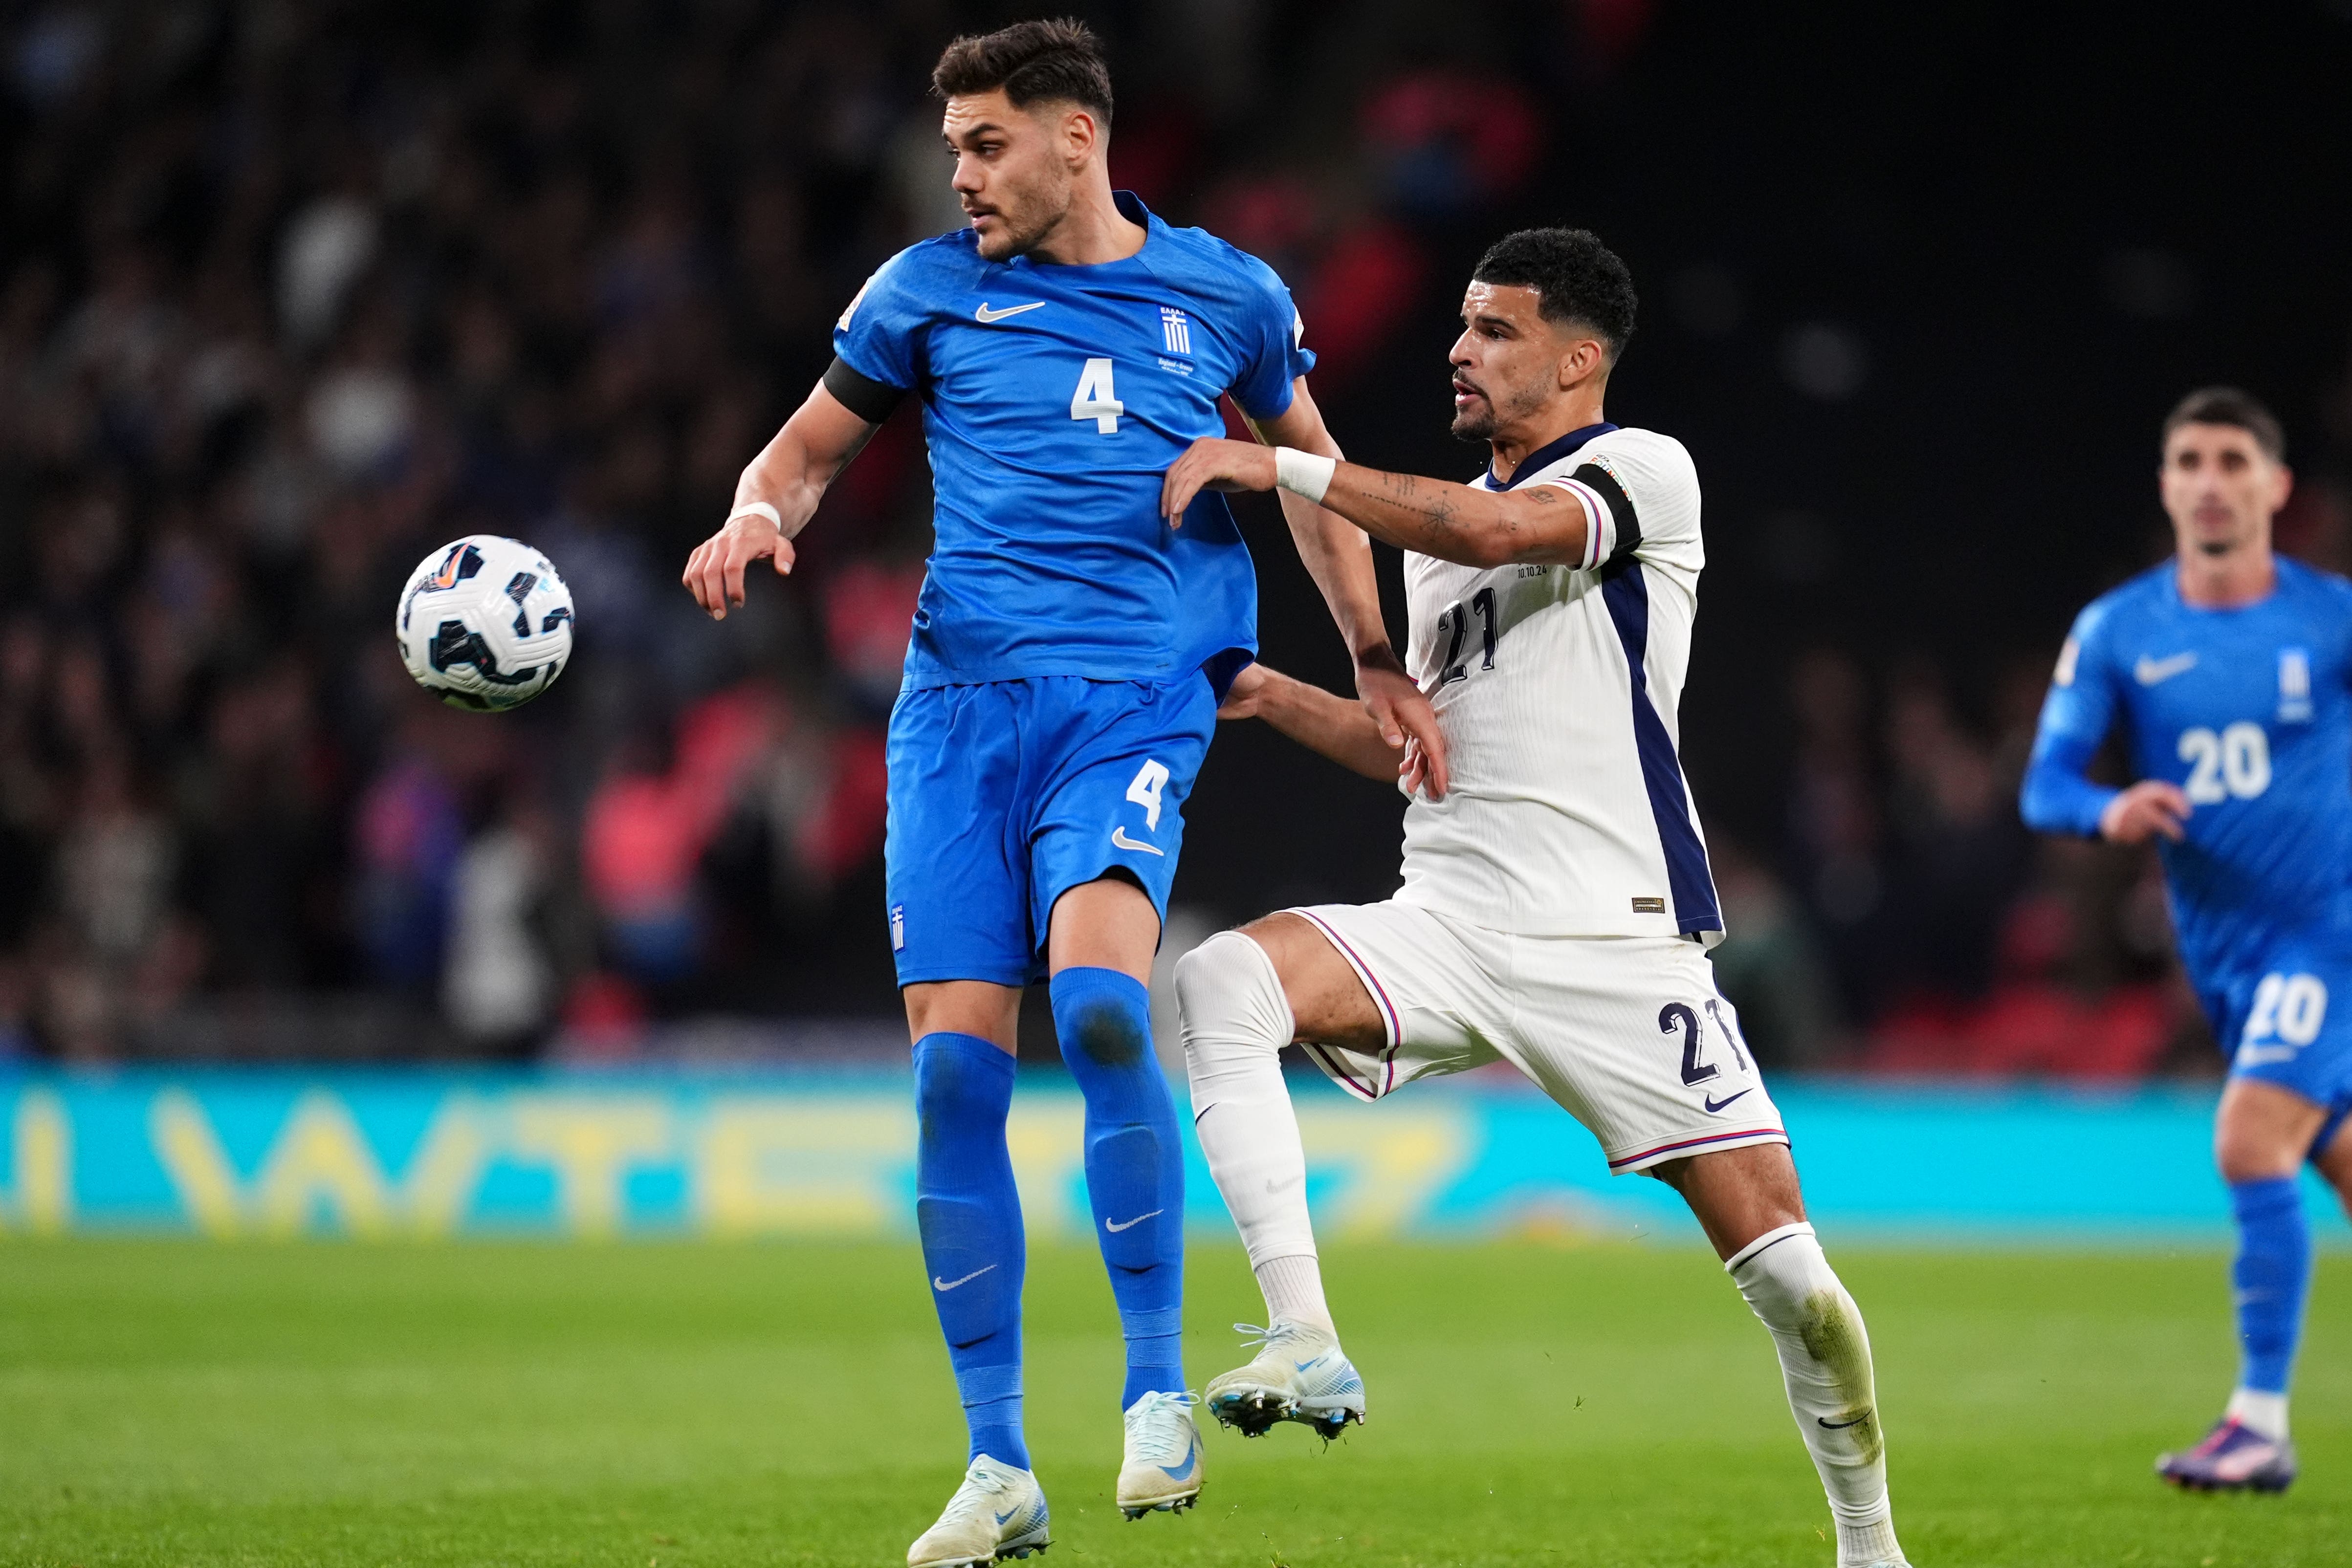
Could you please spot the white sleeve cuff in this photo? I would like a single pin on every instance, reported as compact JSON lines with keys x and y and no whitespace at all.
{"x":1600,"y":524}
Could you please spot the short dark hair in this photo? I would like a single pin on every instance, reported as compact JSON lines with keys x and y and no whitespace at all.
{"x":2228,"y":405}
{"x":1033,"y":61}
{"x":1575,"y":277}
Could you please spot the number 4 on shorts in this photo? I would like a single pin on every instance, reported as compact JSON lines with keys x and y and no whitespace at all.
{"x":1145,"y":791}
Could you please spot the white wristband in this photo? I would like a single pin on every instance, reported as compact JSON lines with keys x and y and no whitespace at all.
{"x":1303,"y":473}
{"x":761,"y":508}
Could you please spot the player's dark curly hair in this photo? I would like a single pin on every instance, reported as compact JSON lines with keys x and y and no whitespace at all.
{"x":1575,"y":277}
{"x":1053,"y":61}
{"x":2228,"y":405}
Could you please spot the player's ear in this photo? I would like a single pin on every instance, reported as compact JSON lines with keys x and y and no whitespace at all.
{"x":1080,"y":134}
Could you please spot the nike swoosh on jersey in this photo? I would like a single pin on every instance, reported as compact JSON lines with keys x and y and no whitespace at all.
{"x":939,"y":1284}
{"x":1114,"y":1227}
{"x":1715,"y":1106}
{"x":1118,"y":836}
{"x":2156,"y":671}
{"x":989,"y":317}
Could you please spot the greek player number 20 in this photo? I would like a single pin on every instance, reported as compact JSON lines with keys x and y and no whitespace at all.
{"x":2290,"y":1007}
{"x":2236,"y":762}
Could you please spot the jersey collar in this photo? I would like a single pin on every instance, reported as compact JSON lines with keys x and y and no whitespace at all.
{"x":1130,"y":207}
{"x":1545,"y":456}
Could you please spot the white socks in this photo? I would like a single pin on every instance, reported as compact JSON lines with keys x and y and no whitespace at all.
{"x":1237,"y":1021}
{"x":1825,"y":1362}
{"x":2262,"y":1414}
{"x":1293,"y":1288}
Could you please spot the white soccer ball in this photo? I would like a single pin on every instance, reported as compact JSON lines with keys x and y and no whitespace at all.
{"x":485,"y":623}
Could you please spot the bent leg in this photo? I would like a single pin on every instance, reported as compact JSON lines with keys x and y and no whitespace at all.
{"x":1244,"y":996}
{"x":1748,"y":1202}
{"x":2261,"y":1136}
{"x":1099,"y":945}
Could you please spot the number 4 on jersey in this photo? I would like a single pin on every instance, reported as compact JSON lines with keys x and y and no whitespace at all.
{"x":1095,"y":399}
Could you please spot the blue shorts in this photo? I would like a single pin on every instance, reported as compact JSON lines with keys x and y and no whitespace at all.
{"x":2289,"y":1022}
{"x":1006,"y":795}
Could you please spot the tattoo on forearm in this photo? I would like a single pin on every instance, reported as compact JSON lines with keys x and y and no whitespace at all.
{"x":1431,"y":503}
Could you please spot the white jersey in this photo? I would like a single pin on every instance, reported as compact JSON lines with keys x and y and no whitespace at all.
{"x":1556,"y":689}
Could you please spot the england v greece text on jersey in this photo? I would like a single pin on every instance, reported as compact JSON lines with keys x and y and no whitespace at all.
{"x":1054,"y":398}
{"x":1558,"y":688}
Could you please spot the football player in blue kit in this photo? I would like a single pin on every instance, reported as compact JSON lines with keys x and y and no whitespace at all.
{"x":2230,"y":670}
{"x":1068,"y":654}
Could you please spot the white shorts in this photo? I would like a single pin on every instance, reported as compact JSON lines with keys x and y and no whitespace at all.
{"x":1627,"y":1034}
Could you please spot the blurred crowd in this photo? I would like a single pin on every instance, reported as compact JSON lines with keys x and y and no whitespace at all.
{"x":295,"y":292}
{"x":292,"y":293}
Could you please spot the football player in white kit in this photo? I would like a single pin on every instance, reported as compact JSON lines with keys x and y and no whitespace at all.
{"x":1557,"y":905}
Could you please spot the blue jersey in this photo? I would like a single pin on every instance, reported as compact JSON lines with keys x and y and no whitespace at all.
{"x":2250,"y":712}
{"x":1054,"y":398}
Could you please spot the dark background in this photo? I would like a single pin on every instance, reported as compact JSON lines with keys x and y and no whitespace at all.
{"x":295,"y":293}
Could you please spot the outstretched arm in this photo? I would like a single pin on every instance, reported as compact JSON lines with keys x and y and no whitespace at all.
{"x":774,"y":500}
{"x":1542,"y":524}
{"x":1339,"y":558}
{"x":1327,"y":724}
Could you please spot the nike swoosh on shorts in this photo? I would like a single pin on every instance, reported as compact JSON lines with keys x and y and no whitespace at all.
{"x":1715,"y":1106}
{"x":1118,"y":837}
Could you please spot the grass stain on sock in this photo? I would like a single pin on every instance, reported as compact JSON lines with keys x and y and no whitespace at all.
{"x":1833,"y":1337}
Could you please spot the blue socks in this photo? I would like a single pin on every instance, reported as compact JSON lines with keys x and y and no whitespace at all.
{"x":1135,"y":1166}
{"x":970,"y":1217}
{"x":2271,"y":1275}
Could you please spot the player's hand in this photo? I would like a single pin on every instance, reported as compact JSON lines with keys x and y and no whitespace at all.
{"x":1243,"y":697}
{"x":714,"y":572}
{"x":1213,"y":463}
{"x":2150,"y":807}
{"x":1406,"y":721}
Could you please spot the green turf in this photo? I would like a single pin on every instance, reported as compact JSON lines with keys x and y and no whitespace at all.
{"x":675,"y":1405}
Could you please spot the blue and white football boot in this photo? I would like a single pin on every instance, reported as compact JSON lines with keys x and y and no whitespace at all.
{"x":1300,"y":1375}
{"x":998,"y":1513}
{"x":2233,"y":1457}
{"x":1161,"y":1470}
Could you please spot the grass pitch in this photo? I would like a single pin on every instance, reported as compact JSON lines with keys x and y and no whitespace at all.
{"x":681,"y":1405}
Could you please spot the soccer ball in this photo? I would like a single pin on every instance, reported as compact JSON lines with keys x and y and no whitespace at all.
{"x":485,"y":623}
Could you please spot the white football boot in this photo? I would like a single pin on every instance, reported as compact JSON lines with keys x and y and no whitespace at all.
{"x":1300,"y":1375}
{"x":998,"y":1513}
{"x":1162,"y":1466}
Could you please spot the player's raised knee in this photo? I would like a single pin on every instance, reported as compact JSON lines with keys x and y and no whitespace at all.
{"x":1229,"y":995}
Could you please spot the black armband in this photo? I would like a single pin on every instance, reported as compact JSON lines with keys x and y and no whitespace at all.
{"x":862,"y":395}
{"x":1628,"y":526}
